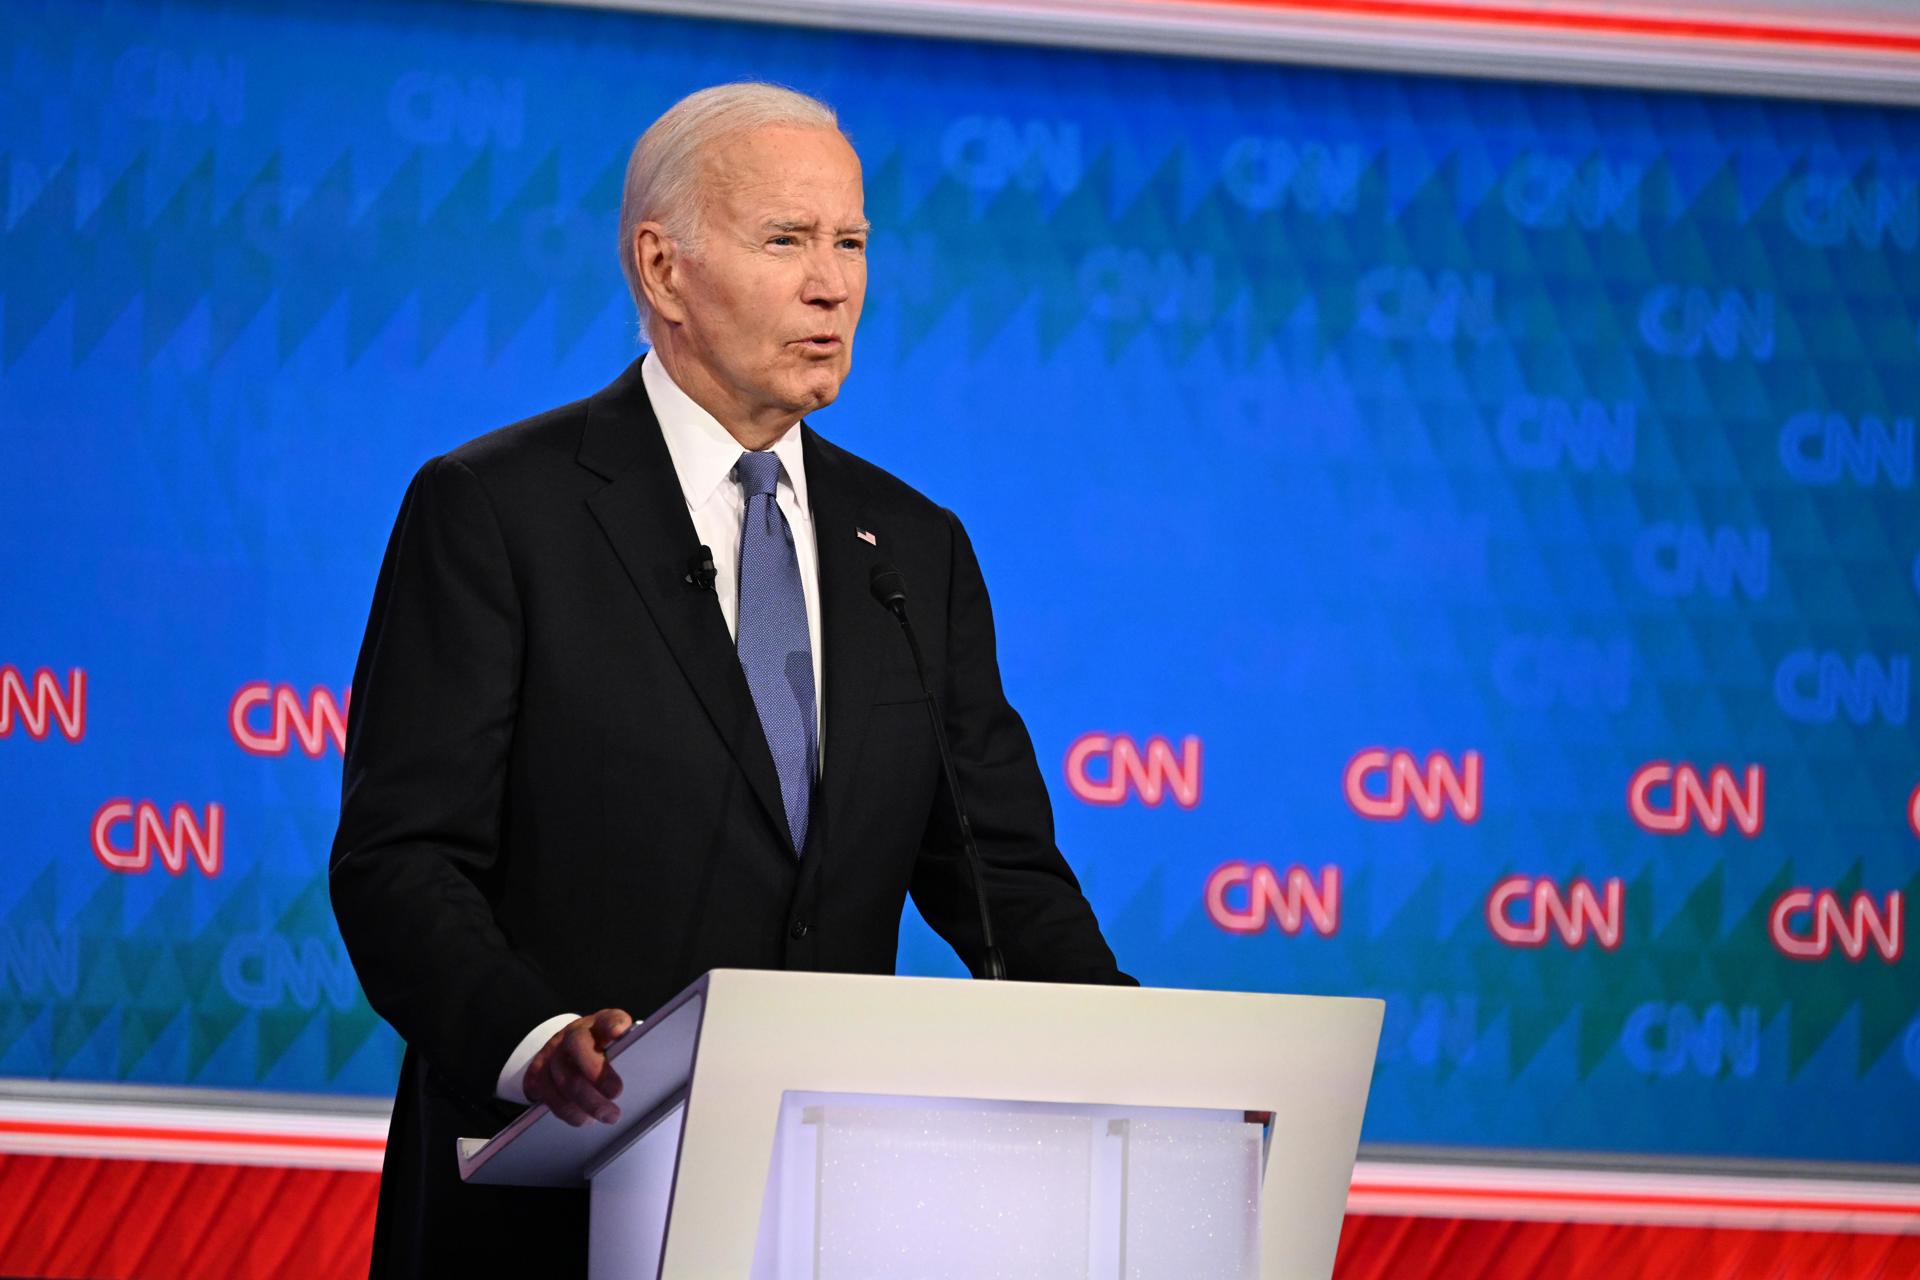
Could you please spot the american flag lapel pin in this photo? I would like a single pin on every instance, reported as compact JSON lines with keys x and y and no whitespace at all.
{"x":866,"y":536}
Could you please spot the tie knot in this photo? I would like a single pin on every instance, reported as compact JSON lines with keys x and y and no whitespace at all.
{"x":758,"y":473}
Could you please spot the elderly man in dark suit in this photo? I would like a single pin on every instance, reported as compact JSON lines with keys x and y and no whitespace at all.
{"x":627,"y":709}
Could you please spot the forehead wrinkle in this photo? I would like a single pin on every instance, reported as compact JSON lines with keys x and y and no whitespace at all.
{"x":744,"y":193}
{"x":862,"y":226}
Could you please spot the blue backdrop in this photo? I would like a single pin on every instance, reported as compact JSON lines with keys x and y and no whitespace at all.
{"x":1386,"y":484}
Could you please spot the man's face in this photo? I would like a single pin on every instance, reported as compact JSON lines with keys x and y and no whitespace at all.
{"x":773,"y":294}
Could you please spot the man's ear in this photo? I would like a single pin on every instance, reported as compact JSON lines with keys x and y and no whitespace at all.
{"x":662,"y":271}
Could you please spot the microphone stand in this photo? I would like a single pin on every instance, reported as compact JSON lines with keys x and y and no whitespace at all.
{"x":890,"y":589}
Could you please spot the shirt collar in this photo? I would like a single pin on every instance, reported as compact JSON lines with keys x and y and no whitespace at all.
{"x":703,"y":451}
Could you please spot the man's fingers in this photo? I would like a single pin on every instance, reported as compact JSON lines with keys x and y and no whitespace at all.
{"x":609,"y":1025}
{"x":571,"y":1097}
{"x":586,"y":1049}
{"x":581,"y":1054}
{"x":568,"y":1112}
{"x":572,"y":1085}
{"x":542,"y":1088}
{"x":572,"y":1075}
{"x":583,"y":1058}
{"x":580,"y":1072}
{"x":589,"y":1099}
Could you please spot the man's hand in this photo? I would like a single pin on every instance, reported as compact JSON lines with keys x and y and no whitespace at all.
{"x":571,"y":1074}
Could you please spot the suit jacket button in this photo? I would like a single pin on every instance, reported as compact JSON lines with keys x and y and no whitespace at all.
{"x":799,"y":929}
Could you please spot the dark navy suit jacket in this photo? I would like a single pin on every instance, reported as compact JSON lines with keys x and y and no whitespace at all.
{"x":557,"y":795}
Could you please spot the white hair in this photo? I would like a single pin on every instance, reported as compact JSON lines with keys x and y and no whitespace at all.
{"x":665,"y":171}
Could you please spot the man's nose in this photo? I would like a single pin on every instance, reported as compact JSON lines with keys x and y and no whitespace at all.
{"x":826,"y":283}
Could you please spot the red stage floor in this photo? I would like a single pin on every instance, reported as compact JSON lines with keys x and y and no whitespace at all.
{"x":128,"y":1219}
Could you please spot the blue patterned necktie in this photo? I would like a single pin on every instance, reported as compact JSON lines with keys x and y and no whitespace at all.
{"x":771,"y":637}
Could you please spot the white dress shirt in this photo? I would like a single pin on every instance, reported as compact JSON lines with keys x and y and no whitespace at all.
{"x":704,"y":455}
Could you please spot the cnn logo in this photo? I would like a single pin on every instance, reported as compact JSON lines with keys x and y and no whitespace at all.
{"x":1524,"y":912}
{"x":1106,"y":769}
{"x":1385,"y":785}
{"x":43,"y":706}
{"x":1809,"y":925}
{"x":1244,"y":897}
{"x":267,"y":719}
{"x":129,"y":835}
{"x":1668,"y":798}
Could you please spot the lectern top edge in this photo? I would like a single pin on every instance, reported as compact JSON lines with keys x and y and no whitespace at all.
{"x":948,"y":1038}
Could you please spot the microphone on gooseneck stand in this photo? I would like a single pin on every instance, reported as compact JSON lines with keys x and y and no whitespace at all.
{"x":700,"y":570}
{"x":890,"y":589}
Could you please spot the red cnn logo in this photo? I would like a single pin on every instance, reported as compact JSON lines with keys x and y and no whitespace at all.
{"x":1150,"y":775}
{"x":172,"y":838}
{"x":1289,"y":908}
{"x":1431,"y":789}
{"x":1831,"y":924}
{"x":39,"y":710}
{"x":1711,"y":802}
{"x":1570,"y":915}
{"x":314,"y":723}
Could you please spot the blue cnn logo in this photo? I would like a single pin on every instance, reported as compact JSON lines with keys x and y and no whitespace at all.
{"x":1687,"y":321}
{"x":436,"y":107}
{"x":1538,"y":433}
{"x":1816,"y":686}
{"x":1436,"y":1028}
{"x":1671,"y":1039}
{"x":168,"y":84}
{"x":1676,"y":560}
{"x":1582,"y":673}
{"x":1312,"y":177}
{"x":1407,"y":304}
{"x":990,"y":153}
{"x":1821,"y":448}
{"x":261,"y":970}
{"x":1544,"y":190}
{"x":1832,"y":209}
{"x":36,"y":963}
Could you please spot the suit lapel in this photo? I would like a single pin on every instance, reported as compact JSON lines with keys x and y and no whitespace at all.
{"x":857,"y":630}
{"x":644,"y":515}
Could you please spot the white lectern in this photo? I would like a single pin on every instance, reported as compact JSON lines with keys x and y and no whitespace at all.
{"x":776,"y":1126}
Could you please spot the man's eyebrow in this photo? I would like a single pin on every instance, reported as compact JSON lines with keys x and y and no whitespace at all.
{"x":862,"y":227}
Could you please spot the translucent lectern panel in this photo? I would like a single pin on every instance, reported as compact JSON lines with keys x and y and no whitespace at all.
{"x":876,"y":1187}
{"x":951,"y":1195}
{"x":1192,"y":1190}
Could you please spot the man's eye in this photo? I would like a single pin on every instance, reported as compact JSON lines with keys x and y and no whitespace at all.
{"x":857,"y":245}
{"x":781,"y":240}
